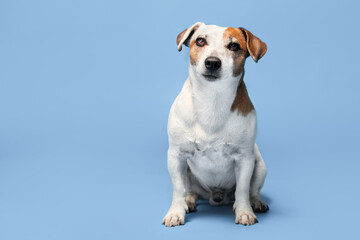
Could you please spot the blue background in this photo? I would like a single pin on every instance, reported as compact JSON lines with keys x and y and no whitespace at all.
{"x":85,"y":91}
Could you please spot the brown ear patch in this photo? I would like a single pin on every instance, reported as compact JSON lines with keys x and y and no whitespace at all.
{"x":186,"y":42}
{"x":256,"y":47}
{"x":240,"y":55}
{"x":242,"y":102}
{"x":180,"y":36}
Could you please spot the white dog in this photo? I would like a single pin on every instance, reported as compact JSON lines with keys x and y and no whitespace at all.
{"x":212,"y":126}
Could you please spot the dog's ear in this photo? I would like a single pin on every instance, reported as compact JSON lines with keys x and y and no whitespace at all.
{"x":255,"y":46}
{"x":184,"y":36}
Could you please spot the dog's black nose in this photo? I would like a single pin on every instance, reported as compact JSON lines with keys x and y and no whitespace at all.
{"x":212,"y":63}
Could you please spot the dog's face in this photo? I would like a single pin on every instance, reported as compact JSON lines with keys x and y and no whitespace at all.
{"x":219,"y":53}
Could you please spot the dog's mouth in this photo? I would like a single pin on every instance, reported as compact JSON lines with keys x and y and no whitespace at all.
{"x":210,"y":76}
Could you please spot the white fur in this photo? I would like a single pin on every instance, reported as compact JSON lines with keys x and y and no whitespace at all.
{"x":217,"y":144}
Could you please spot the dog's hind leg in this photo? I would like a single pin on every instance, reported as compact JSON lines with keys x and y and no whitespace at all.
{"x":194,"y":190}
{"x":257,"y":181}
{"x":191,"y":201}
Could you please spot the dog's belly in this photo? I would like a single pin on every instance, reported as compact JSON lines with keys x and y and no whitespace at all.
{"x":214,"y":166}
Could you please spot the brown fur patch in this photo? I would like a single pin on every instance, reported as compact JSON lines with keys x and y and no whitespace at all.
{"x":240,"y":55}
{"x":180,"y":36}
{"x":242,"y":102}
{"x":256,"y":47}
{"x":195,"y":52}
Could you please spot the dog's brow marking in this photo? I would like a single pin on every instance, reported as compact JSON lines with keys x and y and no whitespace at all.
{"x":239,"y":56}
{"x":195,"y":52}
{"x":242,"y":102}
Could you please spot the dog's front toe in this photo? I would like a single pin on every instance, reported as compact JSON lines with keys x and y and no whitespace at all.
{"x":175,"y":216}
{"x":259,"y":206}
{"x":173,"y":219}
{"x":245,"y":217}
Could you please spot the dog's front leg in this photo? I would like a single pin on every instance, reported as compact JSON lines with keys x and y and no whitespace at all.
{"x":177,"y":166}
{"x":244,"y":167}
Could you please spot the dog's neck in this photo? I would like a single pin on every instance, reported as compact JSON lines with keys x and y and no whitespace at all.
{"x":213,"y":101}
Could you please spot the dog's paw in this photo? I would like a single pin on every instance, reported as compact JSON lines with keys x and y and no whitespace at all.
{"x":259,"y":206}
{"x":174,"y":218}
{"x":191,"y":202}
{"x":176,"y":214}
{"x":245,"y":217}
{"x":191,"y":206}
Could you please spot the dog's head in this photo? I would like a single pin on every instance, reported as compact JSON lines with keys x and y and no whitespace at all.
{"x":218,"y":52}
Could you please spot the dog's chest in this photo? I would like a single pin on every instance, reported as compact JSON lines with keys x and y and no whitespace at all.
{"x":210,"y":135}
{"x":215,"y":152}
{"x":213,"y":166}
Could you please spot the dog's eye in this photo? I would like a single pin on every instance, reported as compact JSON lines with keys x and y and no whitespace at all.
{"x":233,"y":47}
{"x":200,"y":42}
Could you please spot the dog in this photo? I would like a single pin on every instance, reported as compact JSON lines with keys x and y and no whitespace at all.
{"x":212,"y":126}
